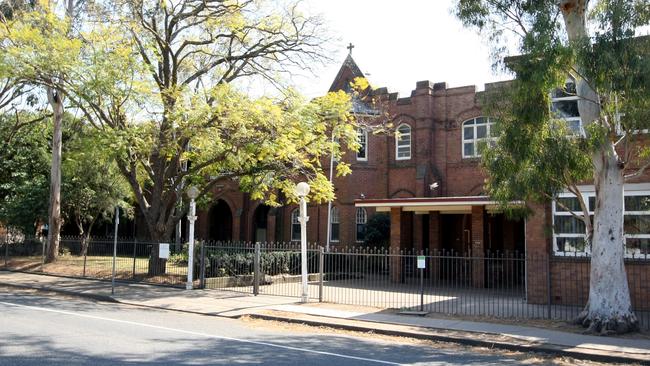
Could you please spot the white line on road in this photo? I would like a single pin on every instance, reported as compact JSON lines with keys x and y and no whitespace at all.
{"x":202,"y":334}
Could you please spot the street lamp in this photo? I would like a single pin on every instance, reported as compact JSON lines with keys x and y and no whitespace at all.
{"x":192,"y":193}
{"x":302,"y":190}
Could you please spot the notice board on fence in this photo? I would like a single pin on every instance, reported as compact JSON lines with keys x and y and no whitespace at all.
{"x":163,"y":251}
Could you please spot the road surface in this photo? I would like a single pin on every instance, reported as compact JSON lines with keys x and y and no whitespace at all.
{"x":46,"y":329}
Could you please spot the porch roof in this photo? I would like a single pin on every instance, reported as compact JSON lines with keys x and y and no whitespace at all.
{"x":426,"y":204}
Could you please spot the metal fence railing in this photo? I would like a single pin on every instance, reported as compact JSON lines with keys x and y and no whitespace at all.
{"x":133,"y":260}
{"x":495,"y":285}
{"x":232,"y":266}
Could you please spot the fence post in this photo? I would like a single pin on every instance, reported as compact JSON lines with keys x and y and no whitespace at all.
{"x":202,"y":280}
{"x":135,"y":247}
{"x":256,"y":270}
{"x":7,"y":249}
{"x":85,"y":255}
{"x":43,"y":253}
{"x":321,"y":267}
{"x":548,"y":285}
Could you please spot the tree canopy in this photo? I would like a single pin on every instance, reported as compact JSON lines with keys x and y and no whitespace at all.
{"x":160,"y":79}
{"x":589,"y":54}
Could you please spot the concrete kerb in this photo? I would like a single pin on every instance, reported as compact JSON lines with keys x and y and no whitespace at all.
{"x":97,"y":297}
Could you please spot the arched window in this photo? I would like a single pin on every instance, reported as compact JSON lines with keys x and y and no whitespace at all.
{"x":295,"y":225}
{"x":475,"y":131}
{"x":362,"y":154}
{"x":403,"y":142}
{"x":362,"y":220}
{"x":335,"y":224}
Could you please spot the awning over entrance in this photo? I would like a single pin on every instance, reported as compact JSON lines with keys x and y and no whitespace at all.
{"x":440,"y":204}
{"x":452,"y":224}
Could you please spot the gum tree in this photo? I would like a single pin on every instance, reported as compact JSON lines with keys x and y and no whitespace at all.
{"x":537,"y":155}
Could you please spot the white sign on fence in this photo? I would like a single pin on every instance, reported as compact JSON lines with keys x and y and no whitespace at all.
{"x":421,"y":262}
{"x":163,"y":251}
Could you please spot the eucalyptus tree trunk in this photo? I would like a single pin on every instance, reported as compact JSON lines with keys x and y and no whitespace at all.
{"x":55,"y":99}
{"x":609,"y":309}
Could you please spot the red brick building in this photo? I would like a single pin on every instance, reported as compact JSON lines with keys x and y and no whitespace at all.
{"x":428,"y":179}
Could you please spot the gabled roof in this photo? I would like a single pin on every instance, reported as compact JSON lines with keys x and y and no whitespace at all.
{"x":348,"y":71}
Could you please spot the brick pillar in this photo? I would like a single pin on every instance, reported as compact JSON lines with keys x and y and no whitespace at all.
{"x":270,"y":226}
{"x":434,"y":233}
{"x":478,"y":265}
{"x":435,"y":264}
{"x":395,"y":243}
{"x":537,"y":255}
{"x":417,"y":233}
{"x":237,"y":225}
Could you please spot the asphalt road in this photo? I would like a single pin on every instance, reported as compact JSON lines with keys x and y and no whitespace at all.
{"x":38,"y":329}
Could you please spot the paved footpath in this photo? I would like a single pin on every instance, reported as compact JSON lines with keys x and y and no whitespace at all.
{"x":235,"y":305}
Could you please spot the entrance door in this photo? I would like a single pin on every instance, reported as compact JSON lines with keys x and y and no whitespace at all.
{"x":220,"y":221}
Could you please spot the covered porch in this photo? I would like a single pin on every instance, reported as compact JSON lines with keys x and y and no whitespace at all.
{"x":471,"y":226}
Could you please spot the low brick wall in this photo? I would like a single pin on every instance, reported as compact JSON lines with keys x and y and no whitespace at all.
{"x":570,"y":282}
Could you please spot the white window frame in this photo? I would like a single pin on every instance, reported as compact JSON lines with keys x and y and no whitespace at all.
{"x":335,"y":219}
{"x":362,"y":134}
{"x":361,"y":219}
{"x":569,"y":120}
{"x":475,"y":140}
{"x":398,"y":136}
{"x":589,"y":192}
{"x":294,"y":221}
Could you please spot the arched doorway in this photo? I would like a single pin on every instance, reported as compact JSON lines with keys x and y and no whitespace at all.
{"x":220,"y":221}
{"x":261,"y":223}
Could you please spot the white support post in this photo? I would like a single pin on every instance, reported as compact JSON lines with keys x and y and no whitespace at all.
{"x":303,"y":248}
{"x":302,"y":190}
{"x":192,"y":192}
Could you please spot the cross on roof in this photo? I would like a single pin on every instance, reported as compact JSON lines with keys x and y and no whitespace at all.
{"x":350,"y":47}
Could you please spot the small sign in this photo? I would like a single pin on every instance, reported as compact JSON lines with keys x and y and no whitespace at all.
{"x":421,"y":262}
{"x":163,"y":251}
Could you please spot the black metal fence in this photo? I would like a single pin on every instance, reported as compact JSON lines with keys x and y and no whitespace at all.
{"x":94,"y":259}
{"x":495,"y":285}
{"x":261,"y":268}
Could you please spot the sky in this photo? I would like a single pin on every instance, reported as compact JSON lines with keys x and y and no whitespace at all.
{"x":397,"y":43}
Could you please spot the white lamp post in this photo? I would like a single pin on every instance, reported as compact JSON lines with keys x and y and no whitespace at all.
{"x":302,"y":190}
{"x":192,"y":193}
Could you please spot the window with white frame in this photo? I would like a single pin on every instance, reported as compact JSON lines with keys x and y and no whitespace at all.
{"x":334,"y":224}
{"x":295,"y":225}
{"x":362,"y":154}
{"x":476,"y":131}
{"x":569,"y":231}
{"x":403,"y":142}
{"x":564,"y":104}
{"x":362,"y":220}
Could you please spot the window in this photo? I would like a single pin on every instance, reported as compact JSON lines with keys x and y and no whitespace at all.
{"x":362,"y":154}
{"x":569,"y":232}
{"x":362,"y":220}
{"x":295,"y":225}
{"x":564,"y":104}
{"x":403,"y":142}
{"x":475,"y":131}
{"x":334,"y":224}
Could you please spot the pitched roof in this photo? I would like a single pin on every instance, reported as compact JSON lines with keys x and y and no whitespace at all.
{"x":348,"y":71}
